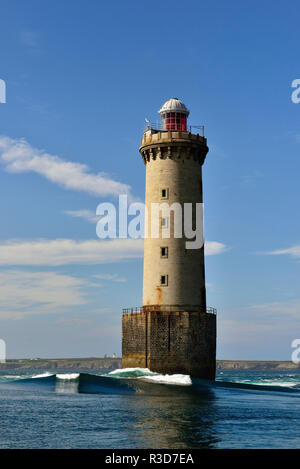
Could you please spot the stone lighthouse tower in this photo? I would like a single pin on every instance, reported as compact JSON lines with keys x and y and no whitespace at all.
{"x":174,"y":331}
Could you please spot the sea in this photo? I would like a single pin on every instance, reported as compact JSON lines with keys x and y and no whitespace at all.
{"x":136,"y":408}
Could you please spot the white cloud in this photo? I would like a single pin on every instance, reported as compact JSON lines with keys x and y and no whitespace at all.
{"x":285,"y":310}
{"x":113,"y":277}
{"x":259,"y":329}
{"x":69,"y":322}
{"x":87,"y":215}
{"x":213,"y":247}
{"x":67,"y":251}
{"x":263,"y":318}
{"x":293,"y":251}
{"x":26,"y":293}
{"x":19,"y":156}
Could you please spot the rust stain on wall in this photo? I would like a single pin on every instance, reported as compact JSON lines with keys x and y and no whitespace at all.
{"x":159,"y":295}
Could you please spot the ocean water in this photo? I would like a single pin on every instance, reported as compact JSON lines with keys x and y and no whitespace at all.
{"x":136,"y":408}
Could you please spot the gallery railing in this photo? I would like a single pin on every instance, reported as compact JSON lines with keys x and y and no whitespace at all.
{"x":157,"y":126}
{"x":140,"y":309}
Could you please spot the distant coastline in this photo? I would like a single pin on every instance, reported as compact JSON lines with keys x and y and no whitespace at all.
{"x":113,"y":363}
{"x":256,"y":365}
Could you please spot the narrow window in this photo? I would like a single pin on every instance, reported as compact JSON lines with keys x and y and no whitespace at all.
{"x":164,"y":252}
{"x":164,"y":280}
{"x":165,"y":193}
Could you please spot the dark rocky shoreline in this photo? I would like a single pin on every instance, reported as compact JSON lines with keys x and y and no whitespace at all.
{"x":113,"y":363}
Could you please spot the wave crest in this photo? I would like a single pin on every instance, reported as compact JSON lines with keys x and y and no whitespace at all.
{"x":67,"y":376}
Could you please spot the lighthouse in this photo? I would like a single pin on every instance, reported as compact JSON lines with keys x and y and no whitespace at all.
{"x":173,"y":331}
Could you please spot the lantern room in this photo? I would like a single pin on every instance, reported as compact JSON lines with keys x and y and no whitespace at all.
{"x":173,"y":115}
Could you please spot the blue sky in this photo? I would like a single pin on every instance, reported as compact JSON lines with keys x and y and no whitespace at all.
{"x":81,"y":77}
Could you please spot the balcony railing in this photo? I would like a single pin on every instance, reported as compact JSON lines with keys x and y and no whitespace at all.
{"x":141,"y":309}
{"x":157,"y":127}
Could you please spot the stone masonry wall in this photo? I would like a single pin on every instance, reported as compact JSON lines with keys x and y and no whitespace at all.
{"x":134,"y":340}
{"x":177,"y":342}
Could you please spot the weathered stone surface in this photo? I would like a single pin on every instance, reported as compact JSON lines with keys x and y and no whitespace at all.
{"x":179,"y":170}
{"x":170,"y":342}
{"x":134,"y":340}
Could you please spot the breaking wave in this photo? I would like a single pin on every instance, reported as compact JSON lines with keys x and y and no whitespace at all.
{"x":68,"y":376}
{"x":147,"y":375}
{"x":142,"y":380}
{"x":43,"y":375}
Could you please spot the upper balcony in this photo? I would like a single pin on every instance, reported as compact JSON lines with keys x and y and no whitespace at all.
{"x":155,"y":127}
{"x":155,"y":135}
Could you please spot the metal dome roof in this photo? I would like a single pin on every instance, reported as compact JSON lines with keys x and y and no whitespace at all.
{"x":173,"y":105}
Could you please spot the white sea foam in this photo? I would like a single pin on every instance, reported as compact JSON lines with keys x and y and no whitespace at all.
{"x":288,"y":384}
{"x":147,"y":375}
{"x":43,"y":375}
{"x":179,"y":380}
{"x":134,"y":372}
{"x":12,"y":377}
{"x":68,"y":376}
{"x":267,"y":382}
